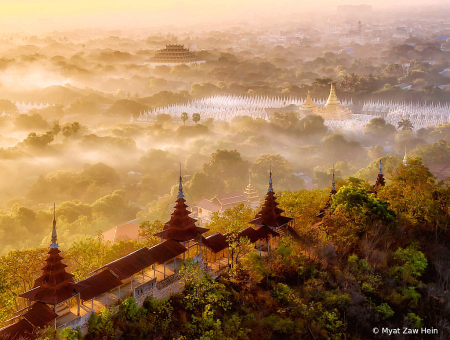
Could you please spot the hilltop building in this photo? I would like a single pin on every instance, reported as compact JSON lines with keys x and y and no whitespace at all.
{"x":270,"y":215}
{"x":140,"y":274}
{"x":175,"y":55}
{"x":205,"y":207}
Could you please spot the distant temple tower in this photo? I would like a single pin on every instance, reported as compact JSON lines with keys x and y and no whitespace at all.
{"x":380,"y":180}
{"x":309,"y":105}
{"x":333,"y":191}
{"x":252,"y":194}
{"x":175,"y":55}
{"x":405,"y":159}
{"x":333,"y":108}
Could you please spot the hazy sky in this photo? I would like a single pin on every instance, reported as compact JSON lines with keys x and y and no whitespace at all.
{"x":45,"y":13}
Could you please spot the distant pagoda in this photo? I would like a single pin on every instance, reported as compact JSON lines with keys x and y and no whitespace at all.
{"x":270,"y":214}
{"x":333,"y":191}
{"x":380,"y":180}
{"x":251,"y":193}
{"x":175,"y":55}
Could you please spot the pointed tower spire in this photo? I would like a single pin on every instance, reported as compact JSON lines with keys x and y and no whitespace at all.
{"x":270,"y":178}
{"x":381,"y":172}
{"x":54,"y":236}
{"x":405,"y":158}
{"x":333,"y":186}
{"x":180,"y":186}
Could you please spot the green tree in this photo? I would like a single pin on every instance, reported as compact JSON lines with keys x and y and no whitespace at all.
{"x":405,"y":124}
{"x":184,"y":117}
{"x":196,"y":117}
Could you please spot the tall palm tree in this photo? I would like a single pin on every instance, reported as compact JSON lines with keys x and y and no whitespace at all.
{"x":405,"y":124}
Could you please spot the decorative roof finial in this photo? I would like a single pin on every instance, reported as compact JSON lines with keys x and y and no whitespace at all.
{"x":405,"y":159}
{"x":270,"y":178}
{"x":54,"y":236}
{"x":379,"y":166}
{"x":180,"y":186}
{"x":333,"y":187}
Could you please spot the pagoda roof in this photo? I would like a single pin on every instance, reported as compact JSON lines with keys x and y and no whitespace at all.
{"x":270,"y":214}
{"x":55,"y":285}
{"x":181,"y":227}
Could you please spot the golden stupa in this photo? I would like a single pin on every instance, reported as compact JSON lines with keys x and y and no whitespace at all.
{"x":309,"y":105}
{"x":333,"y":108}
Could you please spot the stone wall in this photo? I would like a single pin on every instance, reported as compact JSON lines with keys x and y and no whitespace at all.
{"x":143,"y":291}
{"x":82,"y":322}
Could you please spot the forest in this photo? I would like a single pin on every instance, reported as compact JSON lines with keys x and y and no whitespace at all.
{"x":374,"y":260}
{"x":376,"y":257}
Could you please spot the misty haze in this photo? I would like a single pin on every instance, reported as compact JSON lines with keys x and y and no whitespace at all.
{"x":230,"y":170}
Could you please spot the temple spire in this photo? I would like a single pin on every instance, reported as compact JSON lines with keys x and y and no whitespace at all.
{"x":405,"y":158}
{"x":270,"y":178}
{"x":333,"y":187}
{"x":54,"y":236}
{"x":180,"y":186}
{"x":381,"y":172}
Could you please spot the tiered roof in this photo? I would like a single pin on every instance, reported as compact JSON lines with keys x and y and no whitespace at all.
{"x":181,"y":227}
{"x":175,"y":54}
{"x":55,"y":285}
{"x":328,"y":204}
{"x":252,"y":194}
{"x":270,"y":214}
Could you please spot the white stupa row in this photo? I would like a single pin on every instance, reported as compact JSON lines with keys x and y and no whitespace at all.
{"x":221,"y":107}
{"x":24,"y":108}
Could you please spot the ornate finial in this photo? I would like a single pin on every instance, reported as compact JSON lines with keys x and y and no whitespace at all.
{"x":333,"y":187}
{"x":270,"y":178}
{"x":379,"y":166}
{"x":405,"y":159}
{"x":54,"y":236}
{"x":180,"y":187}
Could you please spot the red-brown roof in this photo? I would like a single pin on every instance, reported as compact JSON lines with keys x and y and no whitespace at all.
{"x":251,"y":233}
{"x":55,"y":285}
{"x":270,"y":214}
{"x":181,"y":227}
{"x":19,"y":330}
{"x":166,"y":251}
{"x":131,"y":264}
{"x":40,"y":315}
{"x":216,"y":242}
{"x":265,"y":232}
{"x":99,"y":284}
